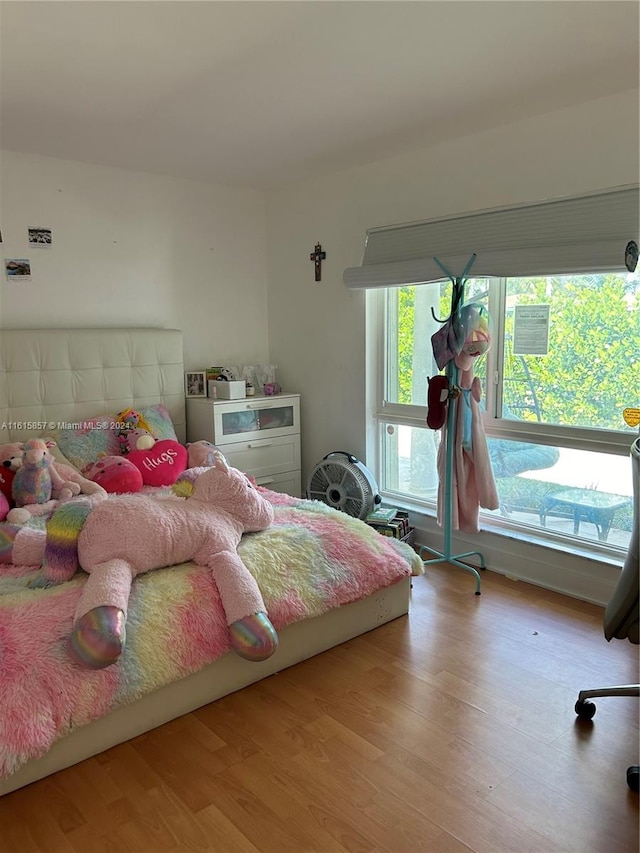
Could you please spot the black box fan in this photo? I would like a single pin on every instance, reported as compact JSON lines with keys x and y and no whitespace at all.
{"x":343,"y":482}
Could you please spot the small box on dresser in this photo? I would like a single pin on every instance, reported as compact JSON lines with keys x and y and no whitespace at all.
{"x":233,"y":389}
{"x":259,"y":435}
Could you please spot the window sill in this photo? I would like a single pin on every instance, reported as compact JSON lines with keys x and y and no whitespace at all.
{"x":588,"y":571}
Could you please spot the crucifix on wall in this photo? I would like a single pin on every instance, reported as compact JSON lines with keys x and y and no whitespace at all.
{"x":318,"y":256}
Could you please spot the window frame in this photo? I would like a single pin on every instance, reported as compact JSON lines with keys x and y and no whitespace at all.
{"x":382,"y":412}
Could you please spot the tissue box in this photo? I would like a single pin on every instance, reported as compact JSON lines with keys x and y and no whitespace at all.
{"x":234,"y":390}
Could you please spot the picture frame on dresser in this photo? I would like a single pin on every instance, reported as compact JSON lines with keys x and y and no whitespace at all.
{"x":195,"y":383}
{"x":259,"y":435}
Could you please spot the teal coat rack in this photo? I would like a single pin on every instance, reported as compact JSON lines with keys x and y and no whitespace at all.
{"x":452,"y":373}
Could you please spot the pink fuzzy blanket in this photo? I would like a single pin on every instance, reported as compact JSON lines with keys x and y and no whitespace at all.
{"x":312,"y":559}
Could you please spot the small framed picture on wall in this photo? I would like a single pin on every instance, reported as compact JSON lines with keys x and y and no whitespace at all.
{"x":195,"y":383}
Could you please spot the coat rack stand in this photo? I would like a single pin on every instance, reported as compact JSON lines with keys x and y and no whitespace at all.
{"x":452,"y":373}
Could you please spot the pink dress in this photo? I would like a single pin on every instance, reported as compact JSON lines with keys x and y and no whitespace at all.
{"x":472,"y":482}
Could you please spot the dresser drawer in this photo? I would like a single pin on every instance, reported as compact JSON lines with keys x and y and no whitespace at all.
{"x":225,"y":422}
{"x":256,"y":418}
{"x":264,"y":456}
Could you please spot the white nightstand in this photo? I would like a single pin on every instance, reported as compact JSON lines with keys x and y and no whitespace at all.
{"x":258,"y":435}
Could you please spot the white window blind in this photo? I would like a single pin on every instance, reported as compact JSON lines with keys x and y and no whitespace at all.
{"x":570,"y":235}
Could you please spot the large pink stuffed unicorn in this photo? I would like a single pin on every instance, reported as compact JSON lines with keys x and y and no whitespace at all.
{"x":128,"y":535}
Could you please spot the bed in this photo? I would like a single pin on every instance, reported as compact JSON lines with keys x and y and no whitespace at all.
{"x":318,"y":593}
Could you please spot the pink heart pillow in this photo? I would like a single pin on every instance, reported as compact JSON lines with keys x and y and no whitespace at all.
{"x":162,"y":464}
{"x":4,"y":507}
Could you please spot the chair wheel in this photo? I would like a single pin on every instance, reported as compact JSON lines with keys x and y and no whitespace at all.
{"x":585,"y":709}
{"x":633,"y":778}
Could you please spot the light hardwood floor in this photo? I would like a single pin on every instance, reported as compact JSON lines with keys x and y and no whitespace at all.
{"x":449,"y":730}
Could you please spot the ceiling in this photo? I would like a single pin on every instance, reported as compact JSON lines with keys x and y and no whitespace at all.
{"x":258,"y":92}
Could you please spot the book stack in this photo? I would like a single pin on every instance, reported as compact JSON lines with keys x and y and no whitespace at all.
{"x":391,"y":521}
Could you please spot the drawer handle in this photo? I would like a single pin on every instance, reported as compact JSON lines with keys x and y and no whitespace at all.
{"x":258,"y":446}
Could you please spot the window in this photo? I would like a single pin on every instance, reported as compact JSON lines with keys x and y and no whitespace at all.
{"x":564,"y":363}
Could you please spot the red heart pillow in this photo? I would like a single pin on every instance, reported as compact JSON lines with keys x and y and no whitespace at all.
{"x":4,"y":507}
{"x":6,"y":478}
{"x":162,"y":464}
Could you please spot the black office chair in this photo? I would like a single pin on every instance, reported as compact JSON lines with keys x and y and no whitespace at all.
{"x":621,"y":618}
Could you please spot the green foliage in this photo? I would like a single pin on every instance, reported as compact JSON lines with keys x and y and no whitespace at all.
{"x":590,"y":373}
{"x":406,"y":308}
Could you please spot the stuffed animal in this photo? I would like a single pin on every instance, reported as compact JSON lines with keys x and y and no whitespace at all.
{"x":63,"y":475}
{"x":127,"y":421}
{"x":138,"y":439}
{"x":33,"y":483}
{"x":116,"y":474}
{"x":128,"y":535}
{"x":159,"y":462}
{"x":10,"y":461}
{"x":201,"y":454}
{"x":11,"y":455}
{"x":94,"y":491}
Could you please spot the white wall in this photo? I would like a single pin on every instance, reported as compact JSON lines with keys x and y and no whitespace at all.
{"x":137,"y":249}
{"x":317,"y":330}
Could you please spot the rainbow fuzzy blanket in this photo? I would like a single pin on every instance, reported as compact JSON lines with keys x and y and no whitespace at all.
{"x":312,"y":559}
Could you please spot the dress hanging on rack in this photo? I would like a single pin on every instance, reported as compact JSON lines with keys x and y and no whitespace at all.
{"x":465,"y":477}
{"x":472,"y":482}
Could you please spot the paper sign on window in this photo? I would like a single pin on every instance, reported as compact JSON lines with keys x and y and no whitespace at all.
{"x":531,"y":330}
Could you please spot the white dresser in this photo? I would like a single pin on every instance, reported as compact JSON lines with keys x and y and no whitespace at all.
{"x":258,"y":435}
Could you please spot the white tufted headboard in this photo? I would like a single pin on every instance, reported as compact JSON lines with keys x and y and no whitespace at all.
{"x":52,"y":376}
